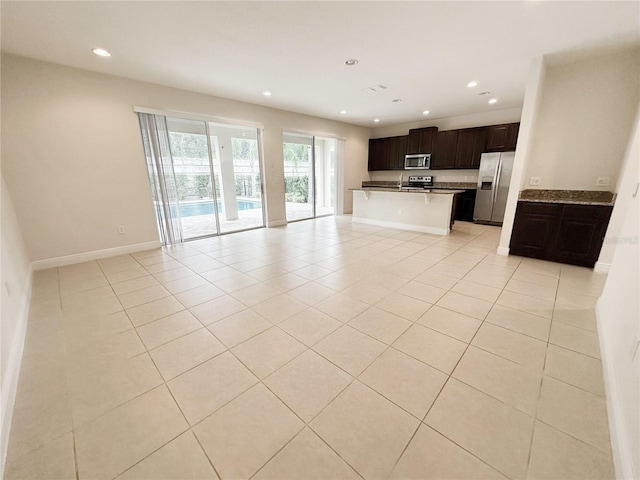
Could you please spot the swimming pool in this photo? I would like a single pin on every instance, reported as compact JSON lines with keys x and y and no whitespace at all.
{"x":206,"y":208}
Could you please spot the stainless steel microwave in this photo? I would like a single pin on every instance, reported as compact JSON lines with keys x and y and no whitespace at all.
{"x":421,"y":161}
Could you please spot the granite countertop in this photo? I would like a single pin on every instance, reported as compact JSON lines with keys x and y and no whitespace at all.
{"x":436,"y":185}
{"x":437,"y":191}
{"x":578,"y":197}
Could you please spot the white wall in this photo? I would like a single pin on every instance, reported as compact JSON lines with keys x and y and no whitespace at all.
{"x":586,"y":114}
{"x":15,"y":269}
{"x":619,"y":209}
{"x":73,"y":158}
{"x":524,"y":146}
{"x":618,"y":313}
{"x":578,"y":130}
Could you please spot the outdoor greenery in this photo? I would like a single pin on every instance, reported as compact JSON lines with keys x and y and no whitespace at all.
{"x":188,"y":145}
{"x":245,"y":185}
{"x":190,"y":186}
{"x":245,"y":149}
{"x":296,"y":188}
{"x":296,"y":154}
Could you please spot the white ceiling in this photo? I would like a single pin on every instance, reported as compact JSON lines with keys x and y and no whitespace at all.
{"x":424,"y":52}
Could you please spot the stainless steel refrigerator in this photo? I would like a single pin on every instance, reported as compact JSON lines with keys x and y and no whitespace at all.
{"x":493,"y":186}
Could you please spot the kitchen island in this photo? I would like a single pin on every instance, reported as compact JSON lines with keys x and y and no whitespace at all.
{"x":419,"y":210}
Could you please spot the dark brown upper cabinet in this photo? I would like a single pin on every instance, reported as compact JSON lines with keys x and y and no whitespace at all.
{"x":421,"y":140}
{"x":449,"y":149}
{"x":378,"y":154}
{"x":502,"y":138}
{"x":471,"y":144}
{"x":387,"y":153}
{"x":398,"y":149}
{"x":444,"y":150}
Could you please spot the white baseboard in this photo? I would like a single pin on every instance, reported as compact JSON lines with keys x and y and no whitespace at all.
{"x":94,"y":255}
{"x":402,"y":226}
{"x":622,"y":457}
{"x":276,"y":223}
{"x":503,"y":251}
{"x":601,"y":267}
{"x":12,"y":369}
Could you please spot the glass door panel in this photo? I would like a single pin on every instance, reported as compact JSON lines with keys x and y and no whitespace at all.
{"x":324,"y":168}
{"x":236,"y":166}
{"x":298,"y":176}
{"x":190,"y":155}
{"x":212,"y":175}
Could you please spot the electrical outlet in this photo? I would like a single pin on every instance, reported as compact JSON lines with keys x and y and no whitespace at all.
{"x":602,"y":182}
{"x":534,"y":181}
{"x":120,"y":230}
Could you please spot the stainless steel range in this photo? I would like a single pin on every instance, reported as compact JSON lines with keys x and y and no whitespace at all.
{"x":420,"y":181}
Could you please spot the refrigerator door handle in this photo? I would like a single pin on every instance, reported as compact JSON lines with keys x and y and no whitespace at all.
{"x":496,"y":182}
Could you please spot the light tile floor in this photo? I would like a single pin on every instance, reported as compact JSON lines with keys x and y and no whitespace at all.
{"x":323,"y":349}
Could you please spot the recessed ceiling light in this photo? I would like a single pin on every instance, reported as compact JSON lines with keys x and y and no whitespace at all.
{"x":396,"y":100}
{"x":266,"y":94}
{"x":101,"y":52}
{"x":493,"y":100}
{"x":342,"y":112}
{"x":351,"y":62}
{"x":472,"y":84}
{"x":376,"y":120}
{"x":426,"y":112}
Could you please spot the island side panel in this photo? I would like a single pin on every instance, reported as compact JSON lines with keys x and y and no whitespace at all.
{"x":419,"y":212}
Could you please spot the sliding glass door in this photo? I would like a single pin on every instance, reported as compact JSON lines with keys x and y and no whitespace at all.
{"x":325,"y":175}
{"x":236,"y":168}
{"x":298,"y":176}
{"x":205,"y":176}
{"x":309,"y":175}
{"x":194,"y":182}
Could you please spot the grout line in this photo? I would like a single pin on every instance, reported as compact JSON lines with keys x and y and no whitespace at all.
{"x":75,"y":454}
{"x":206,"y":454}
{"x":395,"y":246}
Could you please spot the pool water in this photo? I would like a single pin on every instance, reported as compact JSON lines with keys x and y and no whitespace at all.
{"x":206,"y":208}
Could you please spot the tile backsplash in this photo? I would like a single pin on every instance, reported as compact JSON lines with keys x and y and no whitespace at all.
{"x":439,"y":175}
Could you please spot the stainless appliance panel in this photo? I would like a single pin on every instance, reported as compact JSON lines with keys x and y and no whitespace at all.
{"x":420,"y":181}
{"x":485,"y":193}
{"x":502,"y":186}
{"x":417,"y":162}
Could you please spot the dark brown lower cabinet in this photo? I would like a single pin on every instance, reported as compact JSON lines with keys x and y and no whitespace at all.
{"x":465,"y":205}
{"x":564,"y":233}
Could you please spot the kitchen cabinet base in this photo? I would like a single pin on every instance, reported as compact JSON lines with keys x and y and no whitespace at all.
{"x":416,"y":211}
{"x":563,"y":233}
